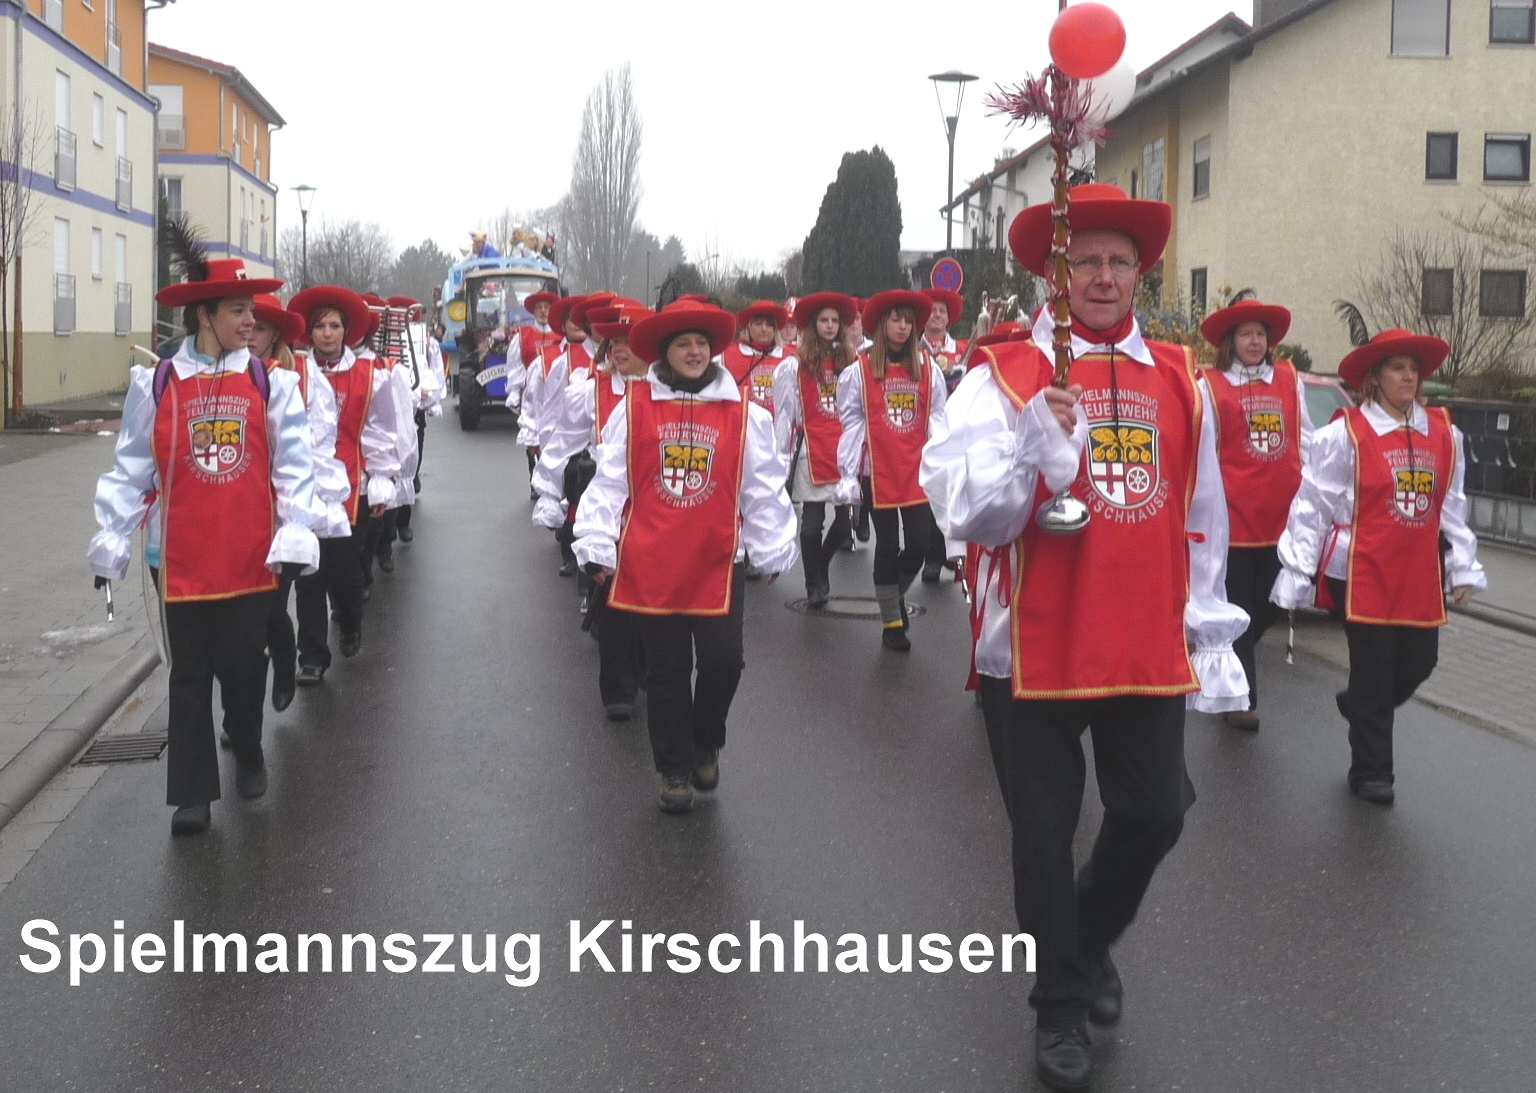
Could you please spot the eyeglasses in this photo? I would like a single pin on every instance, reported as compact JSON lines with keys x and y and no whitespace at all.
{"x":1088,"y":267}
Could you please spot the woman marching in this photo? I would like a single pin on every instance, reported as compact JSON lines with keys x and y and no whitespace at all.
{"x":221,"y":449}
{"x":1382,"y":486}
{"x":367,"y":449}
{"x":1264,"y":431}
{"x":277,"y":329}
{"x":688,"y":482}
{"x":809,"y":439}
{"x":889,"y":405}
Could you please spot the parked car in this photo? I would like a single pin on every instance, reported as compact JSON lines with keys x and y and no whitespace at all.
{"x":1327,"y":397}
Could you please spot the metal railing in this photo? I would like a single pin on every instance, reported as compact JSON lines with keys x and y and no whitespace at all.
{"x":53,"y":15}
{"x":114,"y":49}
{"x":63,"y":303}
{"x":171,"y":132}
{"x":124,"y":184}
{"x":63,"y":159}
{"x":122,"y":312}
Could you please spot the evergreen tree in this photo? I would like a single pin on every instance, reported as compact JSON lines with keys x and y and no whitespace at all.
{"x":855,"y":246}
{"x":418,"y":271}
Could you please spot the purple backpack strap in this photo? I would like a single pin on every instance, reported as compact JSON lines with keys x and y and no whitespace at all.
{"x":162,"y":377}
{"x":257,"y":369}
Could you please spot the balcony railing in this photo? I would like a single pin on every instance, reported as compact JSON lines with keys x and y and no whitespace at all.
{"x":114,"y":49}
{"x":53,"y":15}
{"x":63,"y":303}
{"x":171,"y":132}
{"x":124,"y":184}
{"x":64,"y":159}
{"x":122,"y":314}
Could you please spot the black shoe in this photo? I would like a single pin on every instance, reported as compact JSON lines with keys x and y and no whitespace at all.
{"x":906,"y":616}
{"x":1104,"y":1003}
{"x":1247,"y":720}
{"x":310,"y":675}
{"x":816,"y":598}
{"x":250,"y":781}
{"x":619,"y":711}
{"x":752,"y":573}
{"x":282,"y":690}
{"x":1341,"y":700}
{"x":533,"y":494}
{"x":386,"y":563}
{"x":932,"y":571}
{"x":1061,"y":1057}
{"x":1377,"y":791}
{"x":190,"y":820}
{"x":351,"y":643}
{"x":706,"y":776}
{"x":568,"y":567}
{"x":406,"y":534}
{"x":895,"y":639}
{"x":224,"y":740}
{"x":676,"y":793}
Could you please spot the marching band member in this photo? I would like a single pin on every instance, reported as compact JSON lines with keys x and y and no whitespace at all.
{"x":528,"y":424}
{"x":575,"y":359}
{"x":379,"y":541}
{"x":1264,"y":431}
{"x":425,"y":361}
{"x":945,"y":352}
{"x":1381,"y":487}
{"x":809,"y":440}
{"x":1135,"y":440}
{"x":889,"y":406}
{"x":366,"y":447}
{"x":755,"y":355}
{"x":789,"y":333}
{"x":221,"y":448}
{"x":531,"y":337}
{"x":590,"y":401}
{"x":688,"y":481}
{"x":276,"y":330}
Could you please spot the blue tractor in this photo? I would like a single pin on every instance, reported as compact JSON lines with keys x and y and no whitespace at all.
{"x":482,"y":312}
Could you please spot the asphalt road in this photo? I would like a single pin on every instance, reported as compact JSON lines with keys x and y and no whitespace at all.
{"x":458,"y":777}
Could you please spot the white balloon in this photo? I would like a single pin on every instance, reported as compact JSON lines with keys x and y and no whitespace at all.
{"x":1112,"y":92}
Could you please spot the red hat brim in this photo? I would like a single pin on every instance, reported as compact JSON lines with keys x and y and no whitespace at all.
{"x":270,"y":310}
{"x":1094,"y":206}
{"x":540,"y":298}
{"x":813,"y":305}
{"x":1428,"y":350}
{"x":953,"y":301}
{"x":578,"y":312}
{"x":762,"y":309}
{"x":1003,"y":332}
{"x":646,"y":337}
{"x":1218,"y":324}
{"x":560,"y":309}
{"x":621,"y":324}
{"x":197,"y":292}
{"x":354,"y":309}
{"x":881,"y":302}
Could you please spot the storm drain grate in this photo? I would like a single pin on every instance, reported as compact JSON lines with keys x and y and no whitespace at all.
{"x":863,"y":608}
{"x":127,"y":748}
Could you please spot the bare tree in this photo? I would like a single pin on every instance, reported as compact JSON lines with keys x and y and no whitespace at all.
{"x":1506,"y":222}
{"x":23,"y":138}
{"x":1432,"y":283}
{"x":352,"y":253}
{"x":598,"y":215}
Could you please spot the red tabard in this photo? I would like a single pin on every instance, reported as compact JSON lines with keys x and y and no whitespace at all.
{"x":354,"y":391}
{"x":682,"y":525}
{"x":1259,"y":430}
{"x":300,"y":369}
{"x":1394,"y":546}
{"x":578,"y":358}
{"x":1101,"y":612}
{"x":217,"y":507}
{"x":823,"y":427}
{"x":531,"y":341}
{"x":607,"y":401}
{"x":752,"y":371}
{"x":896,"y":424}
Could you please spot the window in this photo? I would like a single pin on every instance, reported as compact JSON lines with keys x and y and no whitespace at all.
{"x":1152,"y":169}
{"x":170,"y":190}
{"x":1203,"y":167}
{"x":122,"y":133}
{"x":98,"y":120}
{"x":121,"y":256}
{"x":61,"y":100}
{"x":1507,"y":157}
{"x":1437,"y":293}
{"x":1511,"y":22}
{"x":1199,"y":281}
{"x":1440,"y":156}
{"x":1501,"y":294}
{"x":1421,"y":28}
{"x":60,"y":245}
{"x":95,"y":254}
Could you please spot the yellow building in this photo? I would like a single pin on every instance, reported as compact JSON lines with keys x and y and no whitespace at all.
{"x":72,"y":75}
{"x":1293,"y":153}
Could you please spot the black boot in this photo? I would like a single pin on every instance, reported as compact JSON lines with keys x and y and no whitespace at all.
{"x":283,"y":685}
{"x":1107,"y":992}
{"x":815,"y":565}
{"x":1061,"y":1057}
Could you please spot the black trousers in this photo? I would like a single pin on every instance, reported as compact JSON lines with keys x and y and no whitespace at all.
{"x":687,"y":714}
{"x":281,"y":644}
{"x":1251,"y":573}
{"x":214,"y":639}
{"x":1386,"y":666}
{"x":815,"y":551}
{"x":620,"y":652}
{"x":403,"y":520}
{"x":901,"y":542}
{"x":339,"y":579}
{"x":377,"y":537}
{"x":1138,"y":753}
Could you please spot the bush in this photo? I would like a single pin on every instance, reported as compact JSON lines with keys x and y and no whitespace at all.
{"x":1296,"y":355}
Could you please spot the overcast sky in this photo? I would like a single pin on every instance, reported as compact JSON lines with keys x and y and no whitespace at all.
{"x":430,"y":117}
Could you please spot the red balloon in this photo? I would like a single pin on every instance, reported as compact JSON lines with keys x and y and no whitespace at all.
{"x":1087,"y":40}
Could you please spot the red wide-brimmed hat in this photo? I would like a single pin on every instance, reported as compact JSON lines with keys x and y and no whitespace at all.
{"x":540,"y":298}
{"x":1095,"y":205}
{"x":226,"y":277}
{"x":692,"y":298}
{"x":1218,"y":324}
{"x":646,"y":336}
{"x":578,"y":313}
{"x":1427,"y":349}
{"x":808,"y":307}
{"x":270,"y":310}
{"x":952,"y":301}
{"x":560,"y":310}
{"x":617,"y":322}
{"x":881,"y":302}
{"x":1002,"y":332}
{"x":409,"y":303}
{"x":762,"y":309}
{"x":354,"y":309}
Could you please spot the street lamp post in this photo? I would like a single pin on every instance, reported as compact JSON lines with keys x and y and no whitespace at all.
{"x":956,"y":80}
{"x":306,"y":194}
